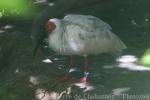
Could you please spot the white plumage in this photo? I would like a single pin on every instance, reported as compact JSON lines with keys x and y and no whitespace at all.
{"x":83,"y":35}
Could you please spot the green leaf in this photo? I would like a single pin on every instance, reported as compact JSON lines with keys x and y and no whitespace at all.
{"x":145,"y":59}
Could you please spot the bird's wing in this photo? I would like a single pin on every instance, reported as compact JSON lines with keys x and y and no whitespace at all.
{"x":86,"y":20}
{"x":84,"y":32}
{"x":87,"y":26}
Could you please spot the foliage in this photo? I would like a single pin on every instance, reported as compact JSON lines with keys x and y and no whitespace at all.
{"x":10,"y":8}
{"x":145,"y":59}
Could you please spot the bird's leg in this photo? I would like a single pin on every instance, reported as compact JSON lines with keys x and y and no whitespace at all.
{"x":70,"y":65}
{"x":71,"y":62}
{"x":85,"y":64}
{"x":85,"y":69}
{"x":66,"y":76}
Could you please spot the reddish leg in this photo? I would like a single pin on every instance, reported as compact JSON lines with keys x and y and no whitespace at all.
{"x":85,"y":64}
{"x":66,"y":76}
{"x":85,"y":69}
{"x":71,"y":62}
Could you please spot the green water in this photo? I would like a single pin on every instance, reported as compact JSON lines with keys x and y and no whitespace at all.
{"x":129,"y":20}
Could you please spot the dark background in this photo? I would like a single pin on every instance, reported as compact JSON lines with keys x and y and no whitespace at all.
{"x":129,"y":20}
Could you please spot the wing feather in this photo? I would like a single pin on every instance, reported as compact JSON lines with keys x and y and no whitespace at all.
{"x":90,"y":33}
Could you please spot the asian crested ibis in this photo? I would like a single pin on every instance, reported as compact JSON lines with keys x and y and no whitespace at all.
{"x":82,"y":35}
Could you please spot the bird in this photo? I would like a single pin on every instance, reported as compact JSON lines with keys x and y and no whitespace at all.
{"x":82,"y":35}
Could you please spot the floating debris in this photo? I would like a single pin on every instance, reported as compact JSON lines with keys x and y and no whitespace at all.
{"x":45,"y":46}
{"x":40,"y":1}
{"x":127,"y":58}
{"x":146,"y":19}
{"x":130,"y":62}
{"x":2,"y":31}
{"x":51,"y":4}
{"x":8,"y":27}
{"x":56,"y":58}
{"x":133,"y":22}
{"x":85,"y":86}
{"x":17,"y":70}
{"x":47,"y":61}
{"x":72,"y":70}
{"x":34,"y":80}
{"x":133,"y":67}
{"x":120,"y":91}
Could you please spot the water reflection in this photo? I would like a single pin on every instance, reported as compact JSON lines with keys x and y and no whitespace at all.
{"x":120,"y":91}
{"x":131,"y":62}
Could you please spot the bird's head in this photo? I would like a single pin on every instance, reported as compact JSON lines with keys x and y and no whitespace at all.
{"x":50,"y":26}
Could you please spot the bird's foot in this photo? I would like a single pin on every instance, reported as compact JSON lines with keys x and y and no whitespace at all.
{"x":84,"y":78}
{"x":63,"y":78}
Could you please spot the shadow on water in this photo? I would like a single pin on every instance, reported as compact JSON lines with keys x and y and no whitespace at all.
{"x":21,"y":78}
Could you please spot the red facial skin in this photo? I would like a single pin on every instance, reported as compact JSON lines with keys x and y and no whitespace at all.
{"x":50,"y":26}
